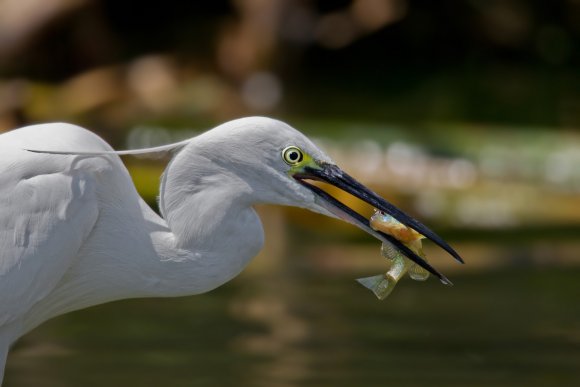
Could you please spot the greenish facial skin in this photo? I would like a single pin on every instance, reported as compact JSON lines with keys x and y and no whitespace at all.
{"x":298,"y":160}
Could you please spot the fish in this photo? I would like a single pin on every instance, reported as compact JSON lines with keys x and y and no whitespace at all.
{"x":383,"y":284}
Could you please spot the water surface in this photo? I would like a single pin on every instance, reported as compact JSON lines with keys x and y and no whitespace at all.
{"x":301,"y":327}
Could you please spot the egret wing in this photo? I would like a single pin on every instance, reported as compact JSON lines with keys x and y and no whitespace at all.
{"x":47,"y":211}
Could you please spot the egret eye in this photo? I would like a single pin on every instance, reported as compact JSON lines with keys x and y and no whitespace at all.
{"x":292,"y":155}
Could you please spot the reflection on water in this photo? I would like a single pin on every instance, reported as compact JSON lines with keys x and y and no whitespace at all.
{"x":293,"y":326}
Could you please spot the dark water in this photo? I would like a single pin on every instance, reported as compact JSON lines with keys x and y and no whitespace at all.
{"x":506,"y":328}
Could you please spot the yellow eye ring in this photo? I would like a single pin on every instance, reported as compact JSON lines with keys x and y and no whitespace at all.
{"x":292,"y":155}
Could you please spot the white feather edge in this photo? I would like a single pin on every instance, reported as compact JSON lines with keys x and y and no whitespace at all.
{"x":156,"y":149}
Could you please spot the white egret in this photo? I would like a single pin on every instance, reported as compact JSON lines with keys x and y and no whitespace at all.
{"x":74,"y":232}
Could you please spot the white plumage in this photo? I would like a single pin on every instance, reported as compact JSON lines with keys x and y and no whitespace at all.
{"x":74,"y":232}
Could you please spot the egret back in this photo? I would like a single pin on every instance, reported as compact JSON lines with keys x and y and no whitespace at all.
{"x":47,"y":210}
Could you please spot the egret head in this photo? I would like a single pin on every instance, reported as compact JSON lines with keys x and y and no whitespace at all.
{"x":278,"y":165}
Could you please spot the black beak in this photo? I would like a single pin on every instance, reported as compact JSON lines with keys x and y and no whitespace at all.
{"x":332,"y":174}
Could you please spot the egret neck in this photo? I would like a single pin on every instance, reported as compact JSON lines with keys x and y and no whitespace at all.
{"x":214,"y":227}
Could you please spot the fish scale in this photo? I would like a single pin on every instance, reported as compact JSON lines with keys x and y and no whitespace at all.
{"x":383,"y":284}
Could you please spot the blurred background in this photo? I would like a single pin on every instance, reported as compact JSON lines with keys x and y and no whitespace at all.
{"x":465,"y":114}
